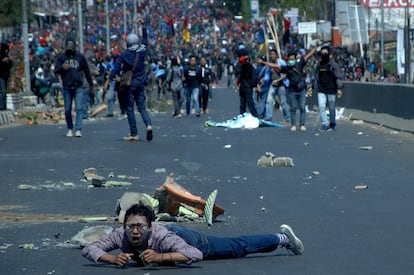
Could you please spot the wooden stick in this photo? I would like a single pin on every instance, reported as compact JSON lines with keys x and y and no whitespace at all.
{"x":276,"y":37}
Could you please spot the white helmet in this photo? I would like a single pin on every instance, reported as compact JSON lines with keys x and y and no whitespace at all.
{"x":131,"y":40}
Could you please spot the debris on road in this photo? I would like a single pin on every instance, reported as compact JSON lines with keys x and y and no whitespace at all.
{"x":366,"y":148}
{"x":361,"y":187}
{"x":160,"y":170}
{"x":269,"y":160}
{"x":28,"y":246}
{"x":90,"y":234}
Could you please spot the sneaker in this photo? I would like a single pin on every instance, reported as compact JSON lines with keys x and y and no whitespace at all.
{"x":149,"y":133}
{"x":78,"y":133}
{"x":131,"y":138}
{"x":332,"y":126}
{"x":324,"y":128}
{"x":303,"y":128}
{"x":293,"y":128}
{"x":109,"y":115}
{"x":69,"y":133}
{"x":295,"y":244}
{"x":122,"y":117}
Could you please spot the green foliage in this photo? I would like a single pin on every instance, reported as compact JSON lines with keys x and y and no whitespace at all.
{"x":11,"y":14}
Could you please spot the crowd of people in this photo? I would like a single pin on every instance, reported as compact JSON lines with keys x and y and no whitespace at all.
{"x":190,"y":47}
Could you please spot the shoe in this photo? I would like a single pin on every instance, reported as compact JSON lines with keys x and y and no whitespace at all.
{"x":178,"y":116}
{"x":149,"y":133}
{"x":69,"y":133}
{"x":295,"y":244}
{"x":109,"y":115}
{"x":324,"y":128}
{"x":122,"y":117}
{"x":293,"y":128}
{"x":131,"y":138}
{"x":303,"y":128}
{"x":332,"y":126}
{"x":78,"y":133}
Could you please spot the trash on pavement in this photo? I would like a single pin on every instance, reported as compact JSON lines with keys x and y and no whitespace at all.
{"x":93,"y":219}
{"x":28,"y":246}
{"x":366,"y":148}
{"x":360,"y":187}
{"x":90,"y":234}
{"x":269,"y":160}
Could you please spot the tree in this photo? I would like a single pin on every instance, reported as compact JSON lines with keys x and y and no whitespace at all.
{"x":11,"y":13}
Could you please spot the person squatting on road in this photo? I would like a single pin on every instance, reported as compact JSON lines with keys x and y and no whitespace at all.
{"x":72,"y":67}
{"x":297,"y":85}
{"x":135,"y":94}
{"x":329,"y":85}
{"x":147,"y":242}
{"x":246,"y":81}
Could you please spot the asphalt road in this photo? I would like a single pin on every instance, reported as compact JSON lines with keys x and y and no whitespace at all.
{"x":344,"y":230}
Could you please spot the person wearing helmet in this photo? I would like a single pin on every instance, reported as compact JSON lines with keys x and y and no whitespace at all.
{"x":135,"y":93}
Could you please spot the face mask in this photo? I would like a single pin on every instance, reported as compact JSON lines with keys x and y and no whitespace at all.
{"x":291,"y":62}
{"x":325,"y":57}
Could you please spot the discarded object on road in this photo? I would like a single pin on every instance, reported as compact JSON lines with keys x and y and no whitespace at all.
{"x":361,"y":187}
{"x":245,"y":120}
{"x":208,"y":209}
{"x":90,"y":234}
{"x":172,"y":195}
{"x":28,"y":246}
{"x":98,"y":181}
{"x":130,"y":198}
{"x":89,"y":173}
{"x":93,"y":219}
{"x":269,"y":160}
{"x":366,"y":148}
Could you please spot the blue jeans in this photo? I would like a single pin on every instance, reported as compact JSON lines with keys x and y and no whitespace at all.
{"x":110,"y":98}
{"x":322,"y":100}
{"x":3,"y":96}
{"x":270,"y":101}
{"x":136,"y":95}
{"x":68,"y":96}
{"x":226,"y":247}
{"x":192,"y":100}
{"x":297,"y":101}
{"x":261,"y":103}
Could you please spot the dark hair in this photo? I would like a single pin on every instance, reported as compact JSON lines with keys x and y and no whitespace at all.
{"x":273,"y":50}
{"x":292,"y":53}
{"x":326,"y":48}
{"x":140,"y":210}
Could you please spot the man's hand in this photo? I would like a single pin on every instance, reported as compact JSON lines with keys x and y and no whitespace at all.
{"x":122,"y":259}
{"x":149,"y":256}
{"x":339,"y":93}
{"x":140,"y":20}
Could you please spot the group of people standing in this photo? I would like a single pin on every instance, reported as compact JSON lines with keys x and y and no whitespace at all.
{"x":258,"y":86}
{"x":73,"y":68}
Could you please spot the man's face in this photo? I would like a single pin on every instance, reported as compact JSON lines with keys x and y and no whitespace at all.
{"x":203,"y":61}
{"x":137,"y":230}
{"x":193,"y":61}
{"x":273,"y":55}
